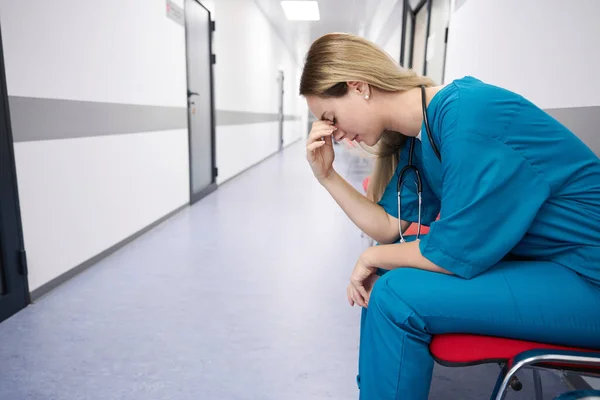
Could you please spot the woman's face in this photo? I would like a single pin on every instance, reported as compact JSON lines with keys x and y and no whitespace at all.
{"x":353,"y":115}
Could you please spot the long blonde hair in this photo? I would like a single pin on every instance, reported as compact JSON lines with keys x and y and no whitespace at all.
{"x":337,"y":58}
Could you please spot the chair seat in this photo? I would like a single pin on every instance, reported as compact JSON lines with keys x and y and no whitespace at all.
{"x":455,"y":350}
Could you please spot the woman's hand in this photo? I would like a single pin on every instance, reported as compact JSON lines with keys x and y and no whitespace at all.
{"x":361,"y":281}
{"x":319,"y":149}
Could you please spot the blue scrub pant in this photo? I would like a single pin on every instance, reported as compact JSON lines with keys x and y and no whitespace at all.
{"x":528,"y":300}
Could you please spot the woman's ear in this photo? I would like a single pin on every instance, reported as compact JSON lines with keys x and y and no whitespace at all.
{"x":360,"y":88}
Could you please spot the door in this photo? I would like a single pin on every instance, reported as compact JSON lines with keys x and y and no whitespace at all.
{"x":438,"y":38}
{"x":421,"y":33}
{"x":424,"y":37}
{"x":407,"y":37}
{"x":201,"y":125}
{"x":14,"y":291}
{"x":280,"y":116}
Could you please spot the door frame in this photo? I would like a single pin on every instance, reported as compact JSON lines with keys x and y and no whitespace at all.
{"x":194,"y":197}
{"x":14,"y":262}
{"x":407,"y":10}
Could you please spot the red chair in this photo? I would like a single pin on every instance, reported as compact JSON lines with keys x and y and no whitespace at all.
{"x":459,"y":350}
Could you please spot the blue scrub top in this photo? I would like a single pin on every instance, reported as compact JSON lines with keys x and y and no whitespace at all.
{"x":513,"y":182}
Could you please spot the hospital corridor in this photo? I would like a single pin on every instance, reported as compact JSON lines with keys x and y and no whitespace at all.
{"x":171,"y":227}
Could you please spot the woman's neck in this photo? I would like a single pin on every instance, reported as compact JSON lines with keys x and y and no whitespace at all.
{"x":402,"y":111}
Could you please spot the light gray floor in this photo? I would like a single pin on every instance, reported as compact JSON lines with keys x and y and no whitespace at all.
{"x":241,"y":296}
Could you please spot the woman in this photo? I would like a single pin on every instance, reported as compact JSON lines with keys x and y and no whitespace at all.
{"x":516,"y":249}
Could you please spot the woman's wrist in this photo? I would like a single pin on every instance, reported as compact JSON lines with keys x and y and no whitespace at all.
{"x":329,"y":178}
{"x":371,"y":257}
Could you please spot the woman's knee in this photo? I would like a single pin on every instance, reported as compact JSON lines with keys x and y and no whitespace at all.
{"x":398,"y":283}
{"x":392,"y":296}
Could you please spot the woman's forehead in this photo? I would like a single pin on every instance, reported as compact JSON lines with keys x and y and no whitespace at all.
{"x":319,"y":107}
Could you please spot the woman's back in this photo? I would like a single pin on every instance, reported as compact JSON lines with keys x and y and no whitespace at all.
{"x":565,"y":172}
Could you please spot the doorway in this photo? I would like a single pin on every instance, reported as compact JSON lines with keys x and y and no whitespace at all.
{"x":14,"y":290}
{"x":201,"y":121}
{"x":424,"y":37}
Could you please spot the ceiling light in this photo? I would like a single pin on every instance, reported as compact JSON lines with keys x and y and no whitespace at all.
{"x":301,"y":10}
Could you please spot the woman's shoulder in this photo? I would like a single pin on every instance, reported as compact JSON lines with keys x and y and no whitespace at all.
{"x":477,"y":94}
{"x":470,"y":102}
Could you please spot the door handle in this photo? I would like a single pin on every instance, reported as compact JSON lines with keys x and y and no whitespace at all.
{"x":192,"y":93}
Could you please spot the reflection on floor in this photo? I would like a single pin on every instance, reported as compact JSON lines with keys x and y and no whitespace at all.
{"x":241,"y":296}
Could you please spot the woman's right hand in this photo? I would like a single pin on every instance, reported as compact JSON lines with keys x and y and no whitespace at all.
{"x":319,"y":148}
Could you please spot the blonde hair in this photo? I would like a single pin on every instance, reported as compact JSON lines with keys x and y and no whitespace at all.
{"x":337,"y":58}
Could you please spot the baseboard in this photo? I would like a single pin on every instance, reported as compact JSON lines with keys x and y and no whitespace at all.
{"x":56,"y":282}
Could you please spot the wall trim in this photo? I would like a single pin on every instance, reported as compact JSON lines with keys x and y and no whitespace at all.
{"x":226,"y":117}
{"x":37,"y":119}
{"x":582,"y":121}
{"x":63,"y":278}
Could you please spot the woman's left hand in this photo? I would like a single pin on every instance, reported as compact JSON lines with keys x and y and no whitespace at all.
{"x":361,"y":281}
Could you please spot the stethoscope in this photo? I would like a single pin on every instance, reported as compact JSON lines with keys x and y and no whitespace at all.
{"x":411,"y":167}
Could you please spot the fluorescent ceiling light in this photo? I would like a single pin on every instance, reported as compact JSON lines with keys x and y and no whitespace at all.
{"x":301,"y":10}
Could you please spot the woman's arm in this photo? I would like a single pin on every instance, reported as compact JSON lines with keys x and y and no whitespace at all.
{"x":391,"y":256}
{"x":369,"y":217}
{"x":398,"y":255}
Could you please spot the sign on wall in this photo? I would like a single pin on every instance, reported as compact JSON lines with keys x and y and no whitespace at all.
{"x":175,"y":13}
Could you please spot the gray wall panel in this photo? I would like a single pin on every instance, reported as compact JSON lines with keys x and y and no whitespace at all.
{"x":36,"y":119}
{"x":244,"y":118}
{"x":48,"y":119}
{"x":583,"y":121}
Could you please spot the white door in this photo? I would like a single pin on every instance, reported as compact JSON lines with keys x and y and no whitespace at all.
{"x":200,"y":100}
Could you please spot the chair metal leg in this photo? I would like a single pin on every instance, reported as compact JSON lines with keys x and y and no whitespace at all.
{"x":512,"y":382}
{"x":501,"y":385}
{"x":537,"y":383}
{"x":532,"y":357}
{"x":505,"y":380}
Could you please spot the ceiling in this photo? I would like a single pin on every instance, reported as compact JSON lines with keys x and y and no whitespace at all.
{"x":350,"y":16}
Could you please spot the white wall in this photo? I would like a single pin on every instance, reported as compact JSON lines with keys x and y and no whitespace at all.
{"x":385,"y":27}
{"x":393,"y":44}
{"x":80,"y":196}
{"x":96,"y":51}
{"x":377,"y":26}
{"x":547,"y":51}
{"x":249,"y":55}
